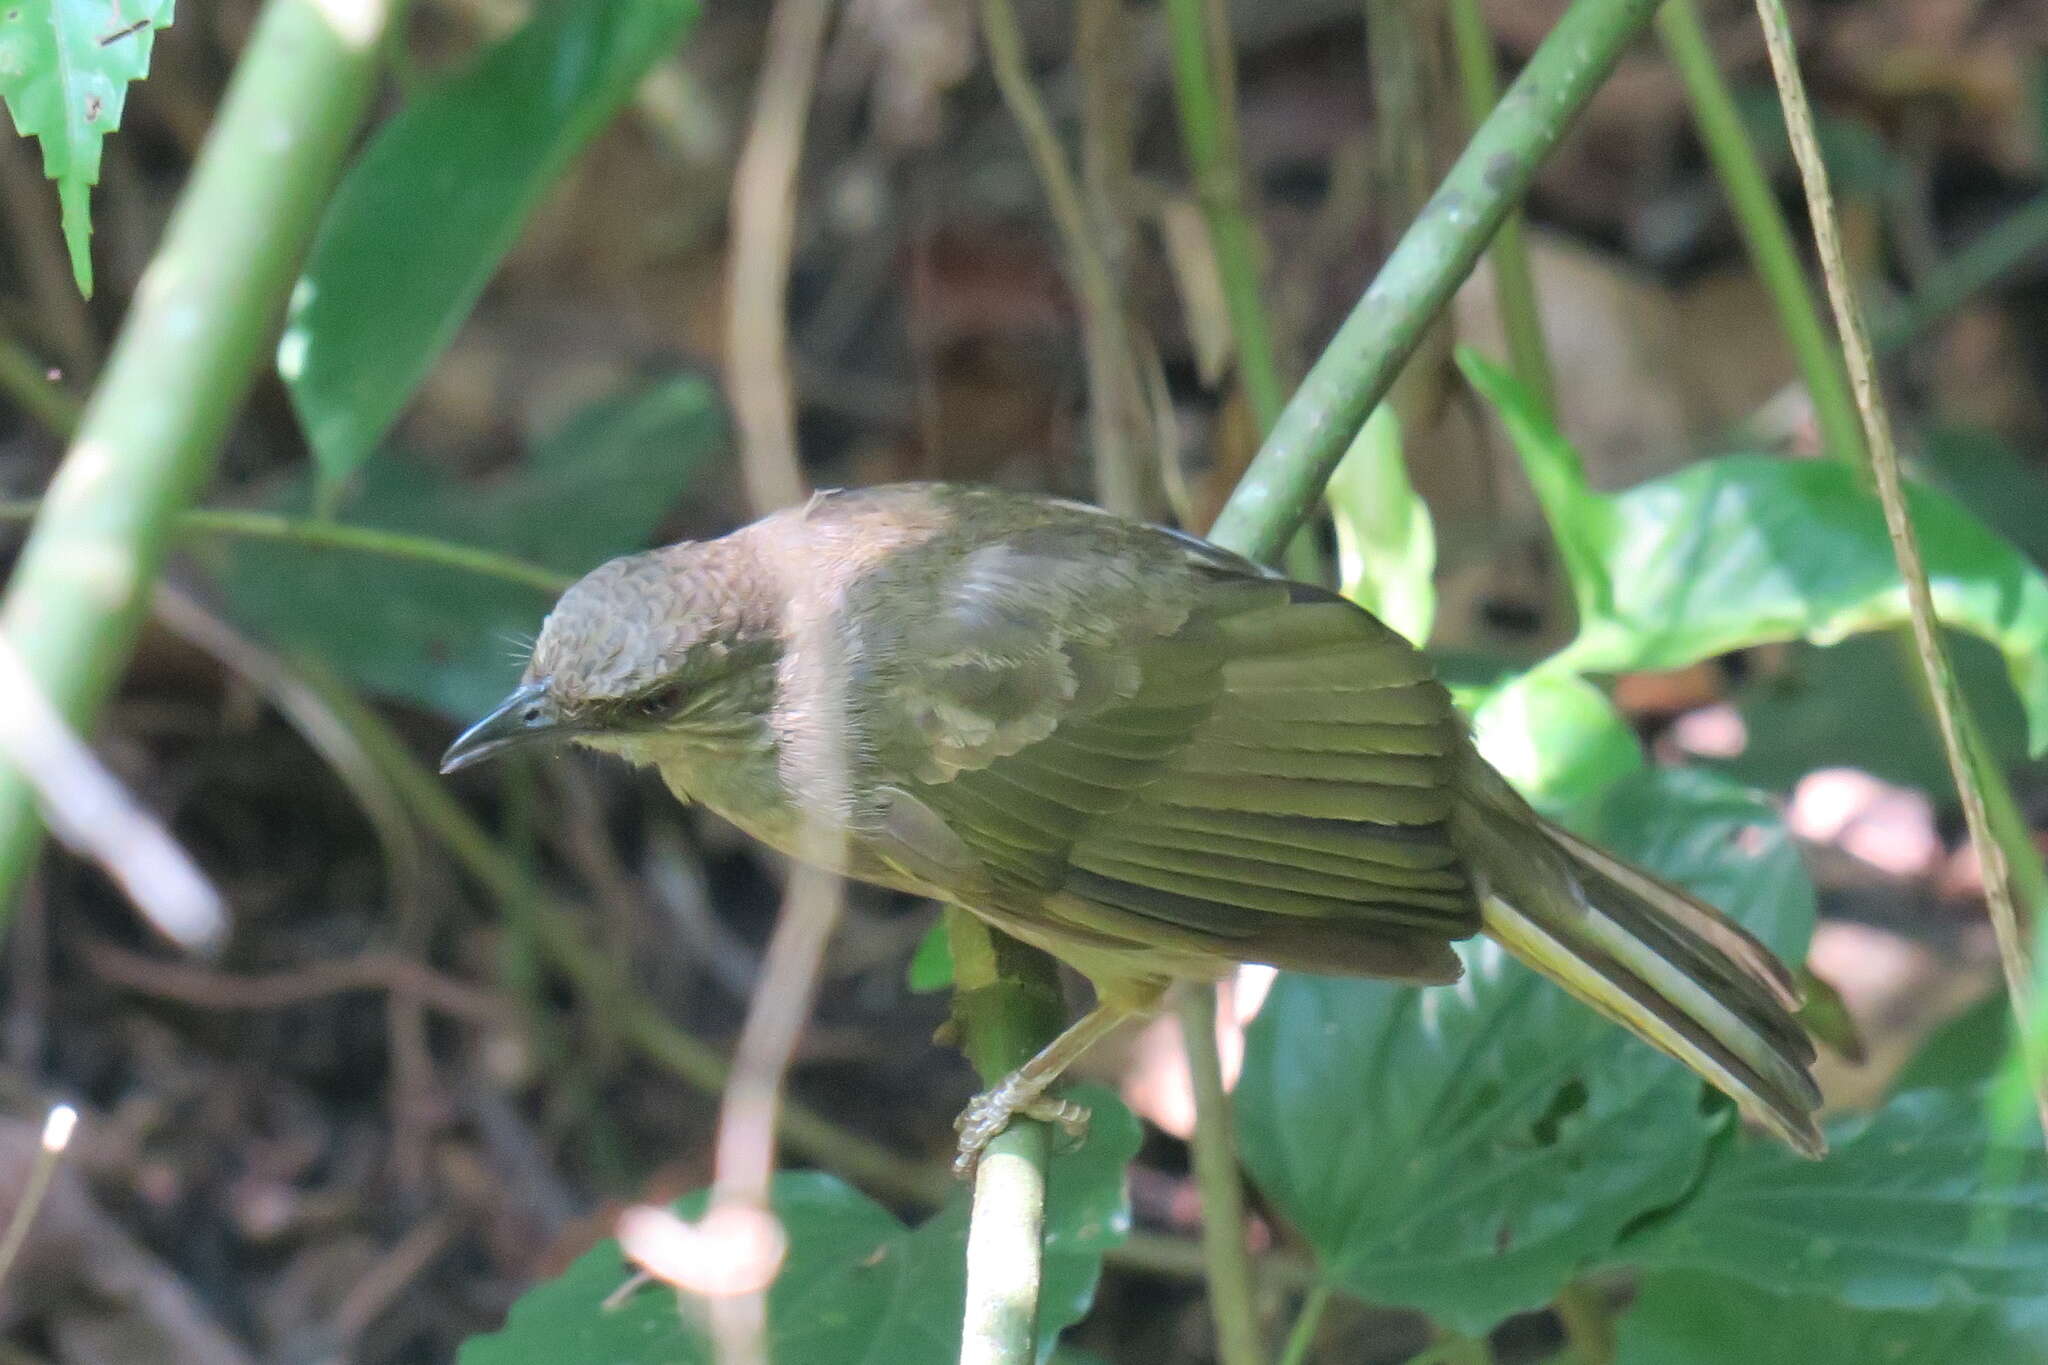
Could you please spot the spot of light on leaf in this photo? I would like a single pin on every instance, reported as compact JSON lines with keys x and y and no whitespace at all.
{"x":356,"y":23}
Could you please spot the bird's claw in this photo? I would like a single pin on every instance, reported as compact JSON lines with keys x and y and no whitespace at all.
{"x":990,"y":1112}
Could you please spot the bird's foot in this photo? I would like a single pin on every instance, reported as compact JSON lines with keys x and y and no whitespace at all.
{"x":990,"y":1112}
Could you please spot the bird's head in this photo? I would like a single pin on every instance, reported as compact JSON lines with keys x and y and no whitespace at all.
{"x":643,"y":652}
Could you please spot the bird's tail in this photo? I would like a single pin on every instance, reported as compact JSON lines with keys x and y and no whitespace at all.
{"x":1665,"y":965}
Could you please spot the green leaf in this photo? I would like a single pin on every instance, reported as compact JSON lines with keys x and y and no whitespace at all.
{"x":1681,"y":1318}
{"x":452,"y":640}
{"x":1855,"y":704}
{"x":1900,"y":1215}
{"x":1467,"y":1149}
{"x":438,"y":197}
{"x":65,"y":66}
{"x":858,"y":1288}
{"x":1744,"y":549}
{"x":1386,"y":544}
{"x":1557,"y":737}
{"x":1964,"y":1053}
{"x":931,"y":966}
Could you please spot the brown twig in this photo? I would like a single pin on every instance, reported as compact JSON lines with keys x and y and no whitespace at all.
{"x":763,"y":229}
{"x":1952,"y":715}
{"x":1113,"y":390}
{"x":189,"y":984}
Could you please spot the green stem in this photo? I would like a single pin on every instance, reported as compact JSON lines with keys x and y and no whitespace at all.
{"x":1216,"y":1176}
{"x":2016,"y":237}
{"x":1006,"y":1002}
{"x":1205,"y":87}
{"x":1513,"y":283}
{"x":1763,"y":227}
{"x":198,"y":330}
{"x":1302,"y":1339}
{"x":2008,"y":866}
{"x":29,"y":385}
{"x":243,"y":524}
{"x":1423,"y":271}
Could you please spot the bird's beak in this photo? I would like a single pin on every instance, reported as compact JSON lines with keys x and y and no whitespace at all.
{"x":529,"y":714}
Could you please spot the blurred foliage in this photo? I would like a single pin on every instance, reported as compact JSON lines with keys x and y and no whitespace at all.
{"x":1741,"y":550}
{"x":1386,"y":543}
{"x":436,"y":199}
{"x":450,"y":640}
{"x":858,"y":1286}
{"x":65,"y":66}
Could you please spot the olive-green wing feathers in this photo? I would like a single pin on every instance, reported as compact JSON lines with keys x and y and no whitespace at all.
{"x":1148,"y":743}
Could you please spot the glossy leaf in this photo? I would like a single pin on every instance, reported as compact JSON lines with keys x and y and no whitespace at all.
{"x":1386,"y":543}
{"x":1681,"y":1318}
{"x":1747,"y":548}
{"x":931,"y":966}
{"x":1901,"y":1214}
{"x":452,"y":640}
{"x":1467,"y":1149}
{"x":1557,"y":738}
{"x":858,"y":1288}
{"x":65,"y":66}
{"x":435,"y":201}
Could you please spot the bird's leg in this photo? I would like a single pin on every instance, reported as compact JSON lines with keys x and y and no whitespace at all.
{"x":1021,"y":1094}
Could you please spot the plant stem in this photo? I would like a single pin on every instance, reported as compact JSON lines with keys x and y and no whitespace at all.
{"x":1513,"y":283}
{"x":1424,"y":269}
{"x":1006,"y":1001}
{"x":2015,"y":237}
{"x":32,"y":390}
{"x":1205,"y":86}
{"x":1112,"y":380}
{"x":1764,"y":230}
{"x":1302,"y":1339}
{"x":1959,"y":733}
{"x":1216,"y":1176}
{"x":185,"y":357}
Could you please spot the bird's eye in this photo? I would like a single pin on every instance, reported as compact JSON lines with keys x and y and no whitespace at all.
{"x":660,"y":702}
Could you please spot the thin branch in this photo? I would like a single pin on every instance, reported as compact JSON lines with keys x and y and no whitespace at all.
{"x":1513,"y":283}
{"x":763,"y":231}
{"x":206,"y":988}
{"x":1006,"y":1001}
{"x":1113,"y":389}
{"x":242,"y":524}
{"x":33,"y":389}
{"x":1763,"y":227}
{"x":1958,"y":729}
{"x":57,"y":1130}
{"x":1423,"y":271}
{"x":1231,"y":1282}
{"x":1302,"y":1339}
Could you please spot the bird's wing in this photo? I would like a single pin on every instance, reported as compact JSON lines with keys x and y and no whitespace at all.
{"x":1146,"y":741}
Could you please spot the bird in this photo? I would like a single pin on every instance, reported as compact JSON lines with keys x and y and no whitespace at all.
{"x":1145,"y":754}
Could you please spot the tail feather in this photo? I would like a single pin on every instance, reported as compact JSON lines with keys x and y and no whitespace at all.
{"x":1663,"y":964}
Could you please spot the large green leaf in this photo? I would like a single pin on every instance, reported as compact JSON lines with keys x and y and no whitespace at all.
{"x":1743,"y":549}
{"x":1694,"y":1319}
{"x":1901,"y":1214}
{"x":452,"y":640}
{"x":1557,"y":738}
{"x":1853,"y":704}
{"x":65,"y":66}
{"x":1386,"y":543}
{"x":1467,"y":1149}
{"x":435,"y":201}
{"x":859,"y":1288}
